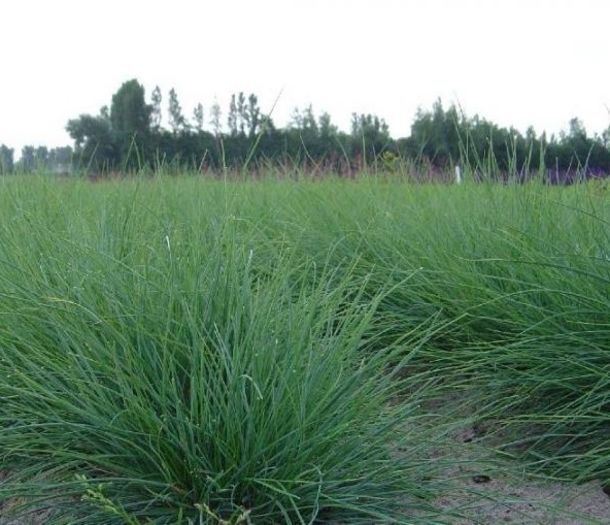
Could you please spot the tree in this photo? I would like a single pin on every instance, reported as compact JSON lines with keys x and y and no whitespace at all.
{"x":267,"y":125}
{"x":95,"y":142}
{"x":105,"y":113}
{"x":198,"y":117}
{"x":242,"y":113}
{"x":435,"y":134}
{"x":33,"y":158}
{"x":308,"y":123}
{"x":129,"y":113}
{"x":157,"y":115}
{"x":575,"y":145}
{"x":232,"y":116}
{"x":296,"y":119}
{"x":370,"y":126}
{"x":6,"y":159}
{"x":60,"y":159}
{"x":176,"y":120}
{"x":42,"y":156}
{"x":253,"y":115}
{"x":326,"y":127}
{"x":309,"y":119}
{"x":215,"y":116}
{"x":28,"y":158}
{"x":370,"y":136}
{"x":577,"y":129}
{"x":606,"y":138}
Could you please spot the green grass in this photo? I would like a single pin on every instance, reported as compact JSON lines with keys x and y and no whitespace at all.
{"x":181,"y":350}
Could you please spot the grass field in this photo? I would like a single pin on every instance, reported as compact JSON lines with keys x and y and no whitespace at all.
{"x":184,"y":350}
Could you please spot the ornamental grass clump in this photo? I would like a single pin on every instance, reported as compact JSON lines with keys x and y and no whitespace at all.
{"x":518,"y":276}
{"x":165,"y":382}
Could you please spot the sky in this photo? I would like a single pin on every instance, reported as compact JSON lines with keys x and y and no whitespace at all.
{"x":515,"y":62}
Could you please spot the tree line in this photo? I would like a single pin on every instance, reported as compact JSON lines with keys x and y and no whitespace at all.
{"x":130,"y":135}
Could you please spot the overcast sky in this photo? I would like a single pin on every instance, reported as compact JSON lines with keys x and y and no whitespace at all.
{"x":515,"y":62}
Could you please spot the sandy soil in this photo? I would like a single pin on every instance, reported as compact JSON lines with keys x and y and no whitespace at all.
{"x":518,"y":501}
{"x":488,"y":494}
{"x":491,"y":491}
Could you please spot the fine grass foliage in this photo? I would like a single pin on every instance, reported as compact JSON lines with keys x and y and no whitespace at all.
{"x":152,"y":372}
{"x":187,"y":350}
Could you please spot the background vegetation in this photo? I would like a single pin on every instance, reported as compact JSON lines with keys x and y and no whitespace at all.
{"x":184,"y":350}
{"x":130,"y":134}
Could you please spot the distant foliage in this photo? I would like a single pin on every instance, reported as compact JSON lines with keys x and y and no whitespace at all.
{"x":156,"y":115}
{"x":198,"y":115}
{"x":131,"y":136}
{"x":6,"y":159}
{"x":176,"y":119}
{"x":129,"y":112}
{"x":445,"y":137}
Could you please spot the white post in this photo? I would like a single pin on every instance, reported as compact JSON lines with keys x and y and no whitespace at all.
{"x":458,"y":174}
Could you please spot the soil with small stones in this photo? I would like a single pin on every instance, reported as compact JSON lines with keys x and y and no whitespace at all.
{"x":488,"y":494}
{"x":489,"y":491}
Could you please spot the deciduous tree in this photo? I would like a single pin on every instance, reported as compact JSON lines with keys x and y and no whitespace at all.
{"x":129,"y":113}
{"x":6,"y":159}
{"x":198,"y":117}
{"x":215,"y":116}
{"x":157,"y":115}
{"x":176,"y":119}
